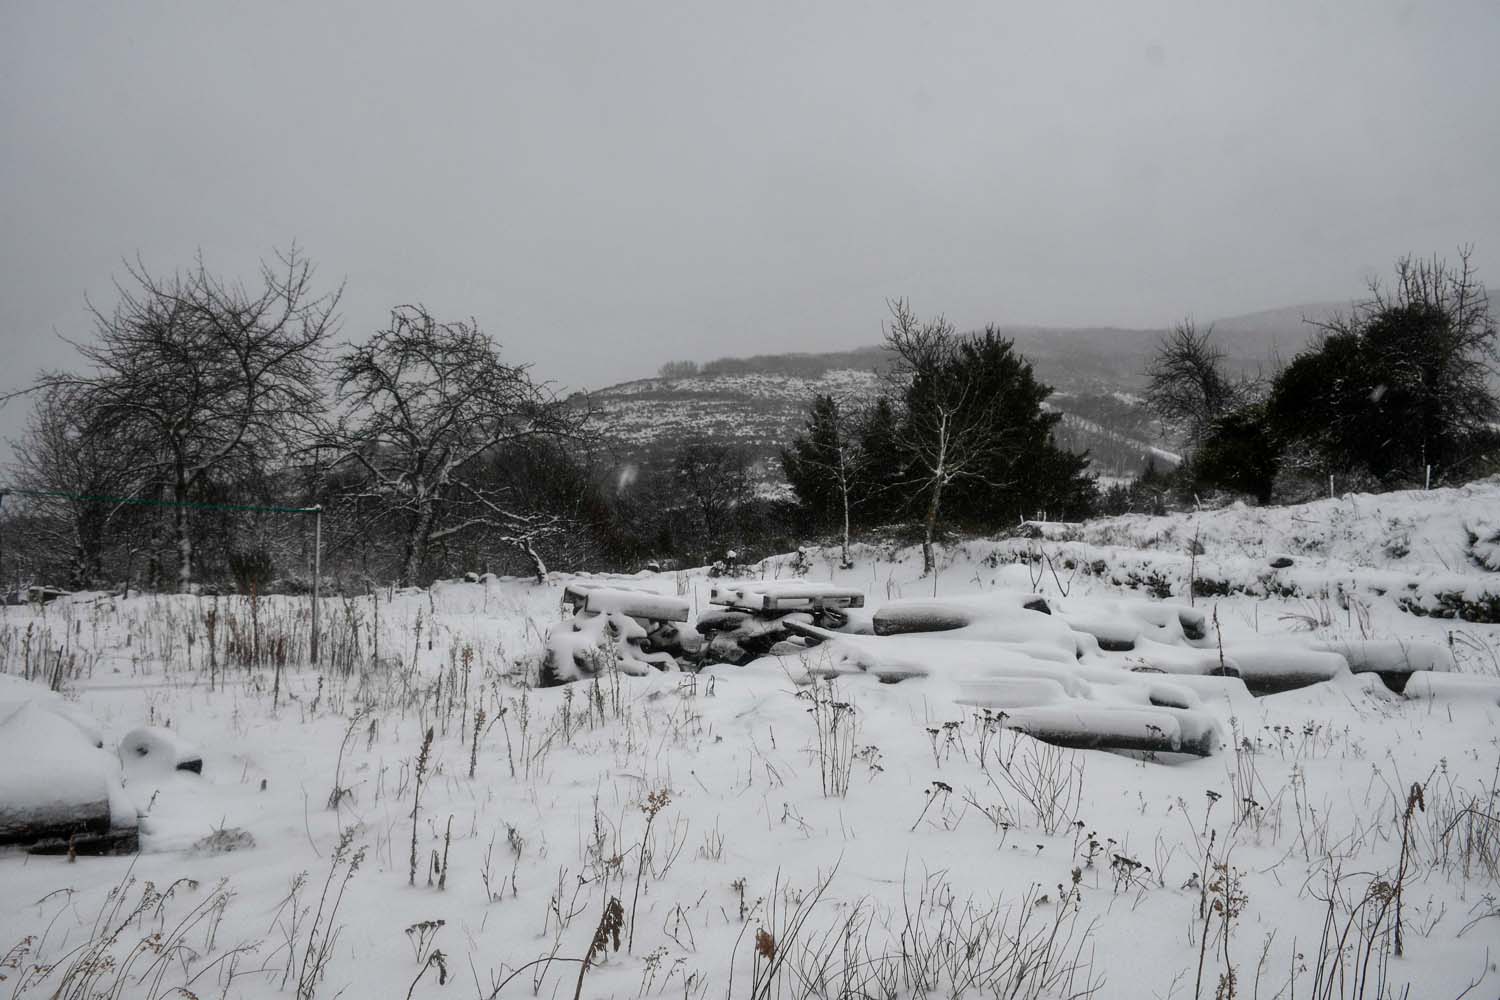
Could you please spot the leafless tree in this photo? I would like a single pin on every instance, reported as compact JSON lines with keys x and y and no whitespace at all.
{"x":204,"y":377}
{"x":60,"y":453}
{"x":714,"y":478}
{"x":1456,"y":292}
{"x":420,"y":406}
{"x":1187,"y":382}
{"x":678,"y":369}
{"x":948,"y":430}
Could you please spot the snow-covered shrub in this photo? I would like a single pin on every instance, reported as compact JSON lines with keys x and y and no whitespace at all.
{"x":1484,"y":545}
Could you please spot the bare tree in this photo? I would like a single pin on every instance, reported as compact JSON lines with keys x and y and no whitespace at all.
{"x":421,"y":405}
{"x":205,"y":377}
{"x":1187,"y":382}
{"x":678,"y":369}
{"x":950,"y":428}
{"x":714,"y":478}
{"x":1456,"y":292}
{"x":60,"y":453}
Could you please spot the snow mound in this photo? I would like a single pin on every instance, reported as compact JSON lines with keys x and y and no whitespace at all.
{"x":15,"y":692}
{"x":56,"y":786}
{"x":153,"y":752}
{"x":1432,"y":553}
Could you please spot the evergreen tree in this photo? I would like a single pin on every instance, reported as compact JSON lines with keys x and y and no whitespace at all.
{"x":878,"y":433}
{"x":1240,"y":454}
{"x":975,"y":444}
{"x":826,"y":468}
{"x":1027,"y":474}
{"x":812,"y":462}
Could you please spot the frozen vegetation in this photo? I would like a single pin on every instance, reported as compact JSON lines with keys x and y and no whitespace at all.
{"x":1303,"y":798}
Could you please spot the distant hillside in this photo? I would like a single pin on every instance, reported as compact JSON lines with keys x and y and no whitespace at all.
{"x":1097,"y":374}
{"x":1263,"y":339}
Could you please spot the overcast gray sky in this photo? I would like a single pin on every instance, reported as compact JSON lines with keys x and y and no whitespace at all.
{"x":606,"y":186}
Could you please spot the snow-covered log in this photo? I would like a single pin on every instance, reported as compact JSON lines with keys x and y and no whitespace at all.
{"x":643,"y":604}
{"x":1269,"y":666}
{"x":1087,"y":726}
{"x":58,"y":789}
{"x":785,"y":595}
{"x":589,"y":643}
{"x":1453,"y":687}
{"x":1394,"y":660}
{"x":738,"y":637}
{"x":1008,"y":693}
{"x":1151,"y":656}
{"x":1120,"y":624}
{"x":948,"y":614}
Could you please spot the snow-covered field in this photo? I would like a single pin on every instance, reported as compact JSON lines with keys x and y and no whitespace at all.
{"x":761,"y":838}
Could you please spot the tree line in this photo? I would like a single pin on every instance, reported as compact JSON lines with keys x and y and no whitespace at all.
{"x":200,"y":397}
{"x":432,"y":455}
{"x":1397,"y":393}
{"x":206,"y":413}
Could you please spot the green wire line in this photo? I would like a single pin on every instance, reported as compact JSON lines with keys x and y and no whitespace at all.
{"x":143,"y":502}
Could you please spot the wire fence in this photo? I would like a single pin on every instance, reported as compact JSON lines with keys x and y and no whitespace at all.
{"x":316,"y":512}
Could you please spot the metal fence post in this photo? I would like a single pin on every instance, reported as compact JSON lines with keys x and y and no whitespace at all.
{"x":3,"y":494}
{"x":317,"y":575}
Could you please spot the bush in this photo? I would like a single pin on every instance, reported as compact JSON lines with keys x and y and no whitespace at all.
{"x":1240,"y":455}
{"x":253,"y":569}
{"x":1400,"y":386}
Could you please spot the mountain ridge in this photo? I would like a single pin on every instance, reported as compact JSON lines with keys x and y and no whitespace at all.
{"x":1097,"y":373}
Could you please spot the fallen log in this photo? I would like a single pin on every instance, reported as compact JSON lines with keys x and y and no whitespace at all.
{"x":1107,"y":727}
{"x":55,"y":788}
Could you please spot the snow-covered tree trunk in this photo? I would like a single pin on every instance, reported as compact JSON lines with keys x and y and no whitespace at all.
{"x":538,"y":567}
{"x":181,"y":528}
{"x":415,"y":548}
{"x":929,"y":526}
{"x":845,"y":490}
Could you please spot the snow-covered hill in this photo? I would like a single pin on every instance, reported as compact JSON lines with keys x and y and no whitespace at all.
{"x":1096,"y":373}
{"x":763,"y":411}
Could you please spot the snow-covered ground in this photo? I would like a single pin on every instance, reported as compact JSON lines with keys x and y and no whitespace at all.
{"x":921,"y":852}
